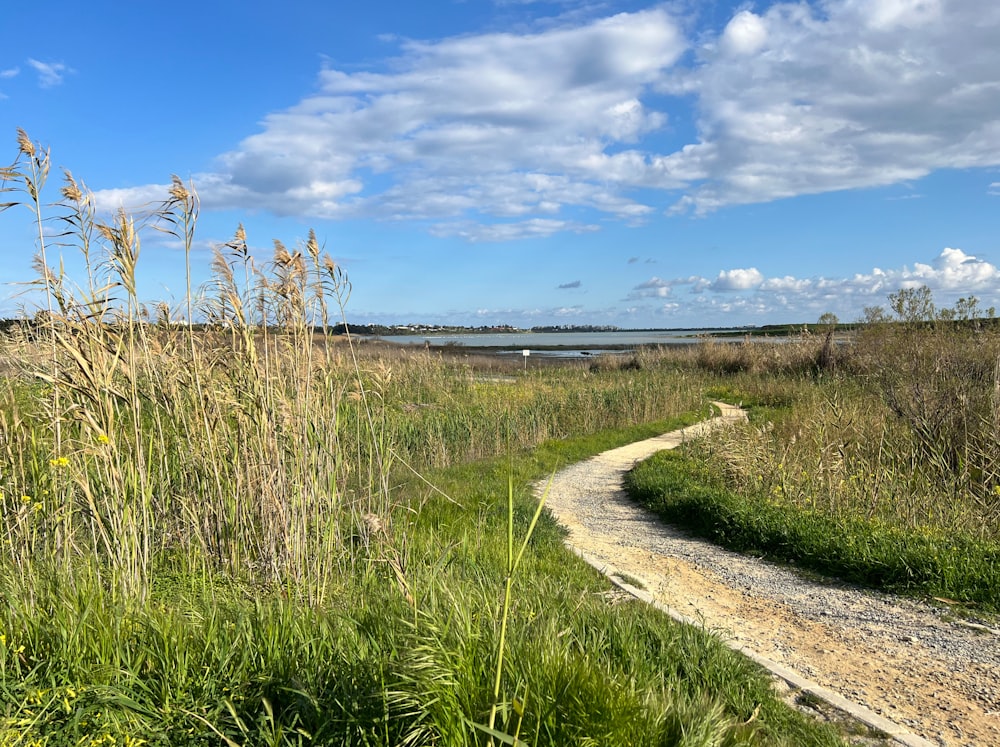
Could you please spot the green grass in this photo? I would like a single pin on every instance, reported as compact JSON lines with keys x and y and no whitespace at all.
{"x":387,"y":662}
{"x":684,"y":491}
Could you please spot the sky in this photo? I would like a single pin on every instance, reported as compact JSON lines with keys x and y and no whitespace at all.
{"x":694,"y":163}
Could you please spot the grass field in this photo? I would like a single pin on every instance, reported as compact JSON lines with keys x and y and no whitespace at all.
{"x":256,"y":533}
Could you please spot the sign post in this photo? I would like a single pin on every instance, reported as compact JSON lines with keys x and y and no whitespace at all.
{"x":525,"y":353}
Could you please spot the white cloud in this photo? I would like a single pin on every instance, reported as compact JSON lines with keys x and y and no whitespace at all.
{"x":887,"y":15}
{"x":746,"y":33}
{"x":949,"y":276}
{"x":657,"y":287}
{"x":733,"y":280}
{"x":653,"y":288}
{"x":956,"y":270}
{"x":806,"y":99}
{"x":786,"y":283}
{"x":994,"y":189}
{"x":49,"y":73}
{"x":133,"y":199}
{"x":494,"y":232}
{"x":7,"y":75}
{"x":472,"y":131}
{"x":504,"y":124}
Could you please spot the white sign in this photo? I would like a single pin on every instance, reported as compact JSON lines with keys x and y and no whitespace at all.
{"x":525,"y":353}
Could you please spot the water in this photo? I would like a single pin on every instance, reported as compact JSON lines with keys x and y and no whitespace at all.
{"x":561,"y":343}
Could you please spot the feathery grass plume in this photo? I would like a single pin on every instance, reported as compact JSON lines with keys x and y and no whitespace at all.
{"x":24,"y":144}
{"x":312,"y":246}
{"x":78,"y":222}
{"x":123,"y":252}
{"x":71,"y":190}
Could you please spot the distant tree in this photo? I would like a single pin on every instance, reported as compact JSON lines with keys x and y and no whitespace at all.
{"x":913,"y":304}
{"x":874,"y":315}
{"x":967,"y":308}
{"x":829,"y":319}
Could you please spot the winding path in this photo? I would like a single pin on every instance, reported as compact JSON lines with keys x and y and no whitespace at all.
{"x":931,"y":678}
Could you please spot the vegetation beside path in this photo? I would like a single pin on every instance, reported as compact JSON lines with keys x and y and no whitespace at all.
{"x":879,"y":467}
{"x":682,"y":490}
{"x":404,"y":653}
{"x":249,"y":533}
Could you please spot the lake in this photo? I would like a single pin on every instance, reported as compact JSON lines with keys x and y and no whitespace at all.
{"x":563,"y":343}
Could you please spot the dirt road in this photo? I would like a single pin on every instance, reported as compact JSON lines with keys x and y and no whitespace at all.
{"x":919,"y":666}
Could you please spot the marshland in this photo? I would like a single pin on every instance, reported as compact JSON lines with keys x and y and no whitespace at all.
{"x":253,"y":531}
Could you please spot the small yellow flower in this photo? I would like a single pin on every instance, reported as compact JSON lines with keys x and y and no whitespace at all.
{"x":59,"y":462}
{"x":103,"y":439}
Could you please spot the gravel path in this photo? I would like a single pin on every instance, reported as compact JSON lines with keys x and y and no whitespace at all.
{"x":914,"y":664}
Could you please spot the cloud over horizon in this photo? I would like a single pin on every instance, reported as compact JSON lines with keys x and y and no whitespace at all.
{"x":951,"y":274}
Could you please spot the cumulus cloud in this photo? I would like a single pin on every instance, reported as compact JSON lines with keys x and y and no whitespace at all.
{"x":955,"y":270}
{"x":747,"y":293}
{"x":479,"y":128}
{"x":733,"y":280}
{"x":657,"y":287}
{"x":745,"y":34}
{"x":132,"y":199}
{"x":806,"y":99}
{"x":653,"y":288}
{"x":512,"y":131}
{"x":496,"y":125}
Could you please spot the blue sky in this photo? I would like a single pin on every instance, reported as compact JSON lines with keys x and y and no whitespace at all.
{"x":689,"y":163}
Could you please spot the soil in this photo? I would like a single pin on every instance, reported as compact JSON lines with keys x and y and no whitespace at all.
{"x":924,"y":666}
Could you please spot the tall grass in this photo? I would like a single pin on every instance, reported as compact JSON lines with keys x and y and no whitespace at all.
{"x":883,"y":468}
{"x":229,"y":532}
{"x":145,"y":436}
{"x":906,"y":434}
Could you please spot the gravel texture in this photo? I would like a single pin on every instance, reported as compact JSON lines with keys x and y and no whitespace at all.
{"x":920,"y":666}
